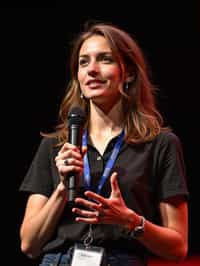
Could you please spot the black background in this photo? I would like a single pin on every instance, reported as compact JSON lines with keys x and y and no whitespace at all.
{"x":34,"y":54}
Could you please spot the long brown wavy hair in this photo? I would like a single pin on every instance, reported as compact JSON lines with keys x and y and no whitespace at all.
{"x":143,"y":121}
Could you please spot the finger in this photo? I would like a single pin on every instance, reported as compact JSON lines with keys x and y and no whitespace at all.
{"x":97,"y":198}
{"x":88,"y":204}
{"x":115,"y":190}
{"x":72,"y":161}
{"x":68,"y":154}
{"x":87,"y":220}
{"x":84,"y":150}
{"x":68,"y":163}
{"x":64,"y":170}
{"x":68,"y":146}
{"x":86,"y":215}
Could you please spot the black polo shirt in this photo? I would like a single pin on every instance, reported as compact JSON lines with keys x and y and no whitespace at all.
{"x":147,"y":174}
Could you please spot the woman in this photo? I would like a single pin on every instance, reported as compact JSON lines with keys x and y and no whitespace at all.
{"x":139,"y":203}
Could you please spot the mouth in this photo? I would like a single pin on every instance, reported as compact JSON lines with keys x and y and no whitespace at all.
{"x":95,"y":82}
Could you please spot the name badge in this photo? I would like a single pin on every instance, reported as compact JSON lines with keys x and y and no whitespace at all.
{"x":87,"y":256}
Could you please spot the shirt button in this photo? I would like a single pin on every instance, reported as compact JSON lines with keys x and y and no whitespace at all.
{"x":98,"y":158}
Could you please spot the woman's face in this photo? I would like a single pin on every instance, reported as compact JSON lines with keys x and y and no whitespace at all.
{"x":99,"y":74}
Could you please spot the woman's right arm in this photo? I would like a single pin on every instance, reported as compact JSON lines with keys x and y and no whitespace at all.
{"x":42,"y":213}
{"x":40,"y":219}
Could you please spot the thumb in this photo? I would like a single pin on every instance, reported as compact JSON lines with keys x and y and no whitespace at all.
{"x":115,"y":191}
{"x":83,"y":150}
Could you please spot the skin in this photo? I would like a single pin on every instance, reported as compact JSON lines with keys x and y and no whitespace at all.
{"x":100,"y":79}
{"x":98,"y":74}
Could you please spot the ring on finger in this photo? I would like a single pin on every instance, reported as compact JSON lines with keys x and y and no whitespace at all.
{"x":97,"y":213}
{"x":66,"y":162}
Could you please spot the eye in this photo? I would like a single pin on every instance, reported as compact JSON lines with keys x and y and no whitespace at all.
{"x":107,"y":59}
{"x":83,"y":62}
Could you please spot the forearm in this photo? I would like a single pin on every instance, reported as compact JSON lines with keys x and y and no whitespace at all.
{"x":164,"y":242}
{"x":169,"y":241}
{"x":37,"y":229}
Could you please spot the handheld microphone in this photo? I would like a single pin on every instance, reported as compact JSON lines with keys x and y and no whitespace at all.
{"x":76,"y":120}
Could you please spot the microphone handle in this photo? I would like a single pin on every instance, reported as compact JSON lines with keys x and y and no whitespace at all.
{"x":72,"y":191}
{"x":75,"y":138}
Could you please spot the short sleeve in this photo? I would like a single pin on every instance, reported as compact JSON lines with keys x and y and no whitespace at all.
{"x":171,"y":170}
{"x":39,"y":176}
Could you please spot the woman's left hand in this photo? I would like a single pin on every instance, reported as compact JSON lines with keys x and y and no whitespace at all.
{"x":112,"y":210}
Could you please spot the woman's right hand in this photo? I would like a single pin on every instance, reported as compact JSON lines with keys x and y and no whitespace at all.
{"x":42,"y":212}
{"x":69,"y":159}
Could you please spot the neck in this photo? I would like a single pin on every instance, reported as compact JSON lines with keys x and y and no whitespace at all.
{"x":106,"y":122}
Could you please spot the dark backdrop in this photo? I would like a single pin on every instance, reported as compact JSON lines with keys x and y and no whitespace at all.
{"x":34,"y":56}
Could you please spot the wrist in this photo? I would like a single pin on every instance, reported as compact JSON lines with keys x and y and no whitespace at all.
{"x":139,"y":229}
{"x":61,"y":189}
{"x":132,"y":221}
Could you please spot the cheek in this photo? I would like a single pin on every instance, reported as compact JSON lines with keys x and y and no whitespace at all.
{"x":80,"y":76}
{"x":113,"y":72}
{"x":114,"y":76}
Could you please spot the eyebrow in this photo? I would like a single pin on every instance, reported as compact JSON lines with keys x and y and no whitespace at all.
{"x":100,"y":53}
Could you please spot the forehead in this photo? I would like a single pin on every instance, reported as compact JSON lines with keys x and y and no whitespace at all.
{"x":94,"y":44}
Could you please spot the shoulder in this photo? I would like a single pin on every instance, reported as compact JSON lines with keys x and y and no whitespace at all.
{"x":48,"y":145}
{"x":167,"y":142}
{"x":48,"y":142}
{"x":167,"y":138}
{"x":168,"y":146}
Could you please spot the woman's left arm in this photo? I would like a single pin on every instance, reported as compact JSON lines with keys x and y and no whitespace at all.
{"x":168,"y":240}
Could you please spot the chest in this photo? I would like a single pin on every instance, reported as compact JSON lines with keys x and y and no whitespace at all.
{"x":101,"y":142}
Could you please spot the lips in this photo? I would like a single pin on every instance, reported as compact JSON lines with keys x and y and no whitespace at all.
{"x":95,"y":82}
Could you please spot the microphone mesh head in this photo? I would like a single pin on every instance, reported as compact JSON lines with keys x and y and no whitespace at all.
{"x":76,"y":116}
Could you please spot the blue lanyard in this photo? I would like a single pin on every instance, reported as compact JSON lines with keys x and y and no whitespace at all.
{"x":109,"y":164}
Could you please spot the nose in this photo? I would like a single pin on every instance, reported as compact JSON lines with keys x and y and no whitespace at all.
{"x":93,"y":68}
